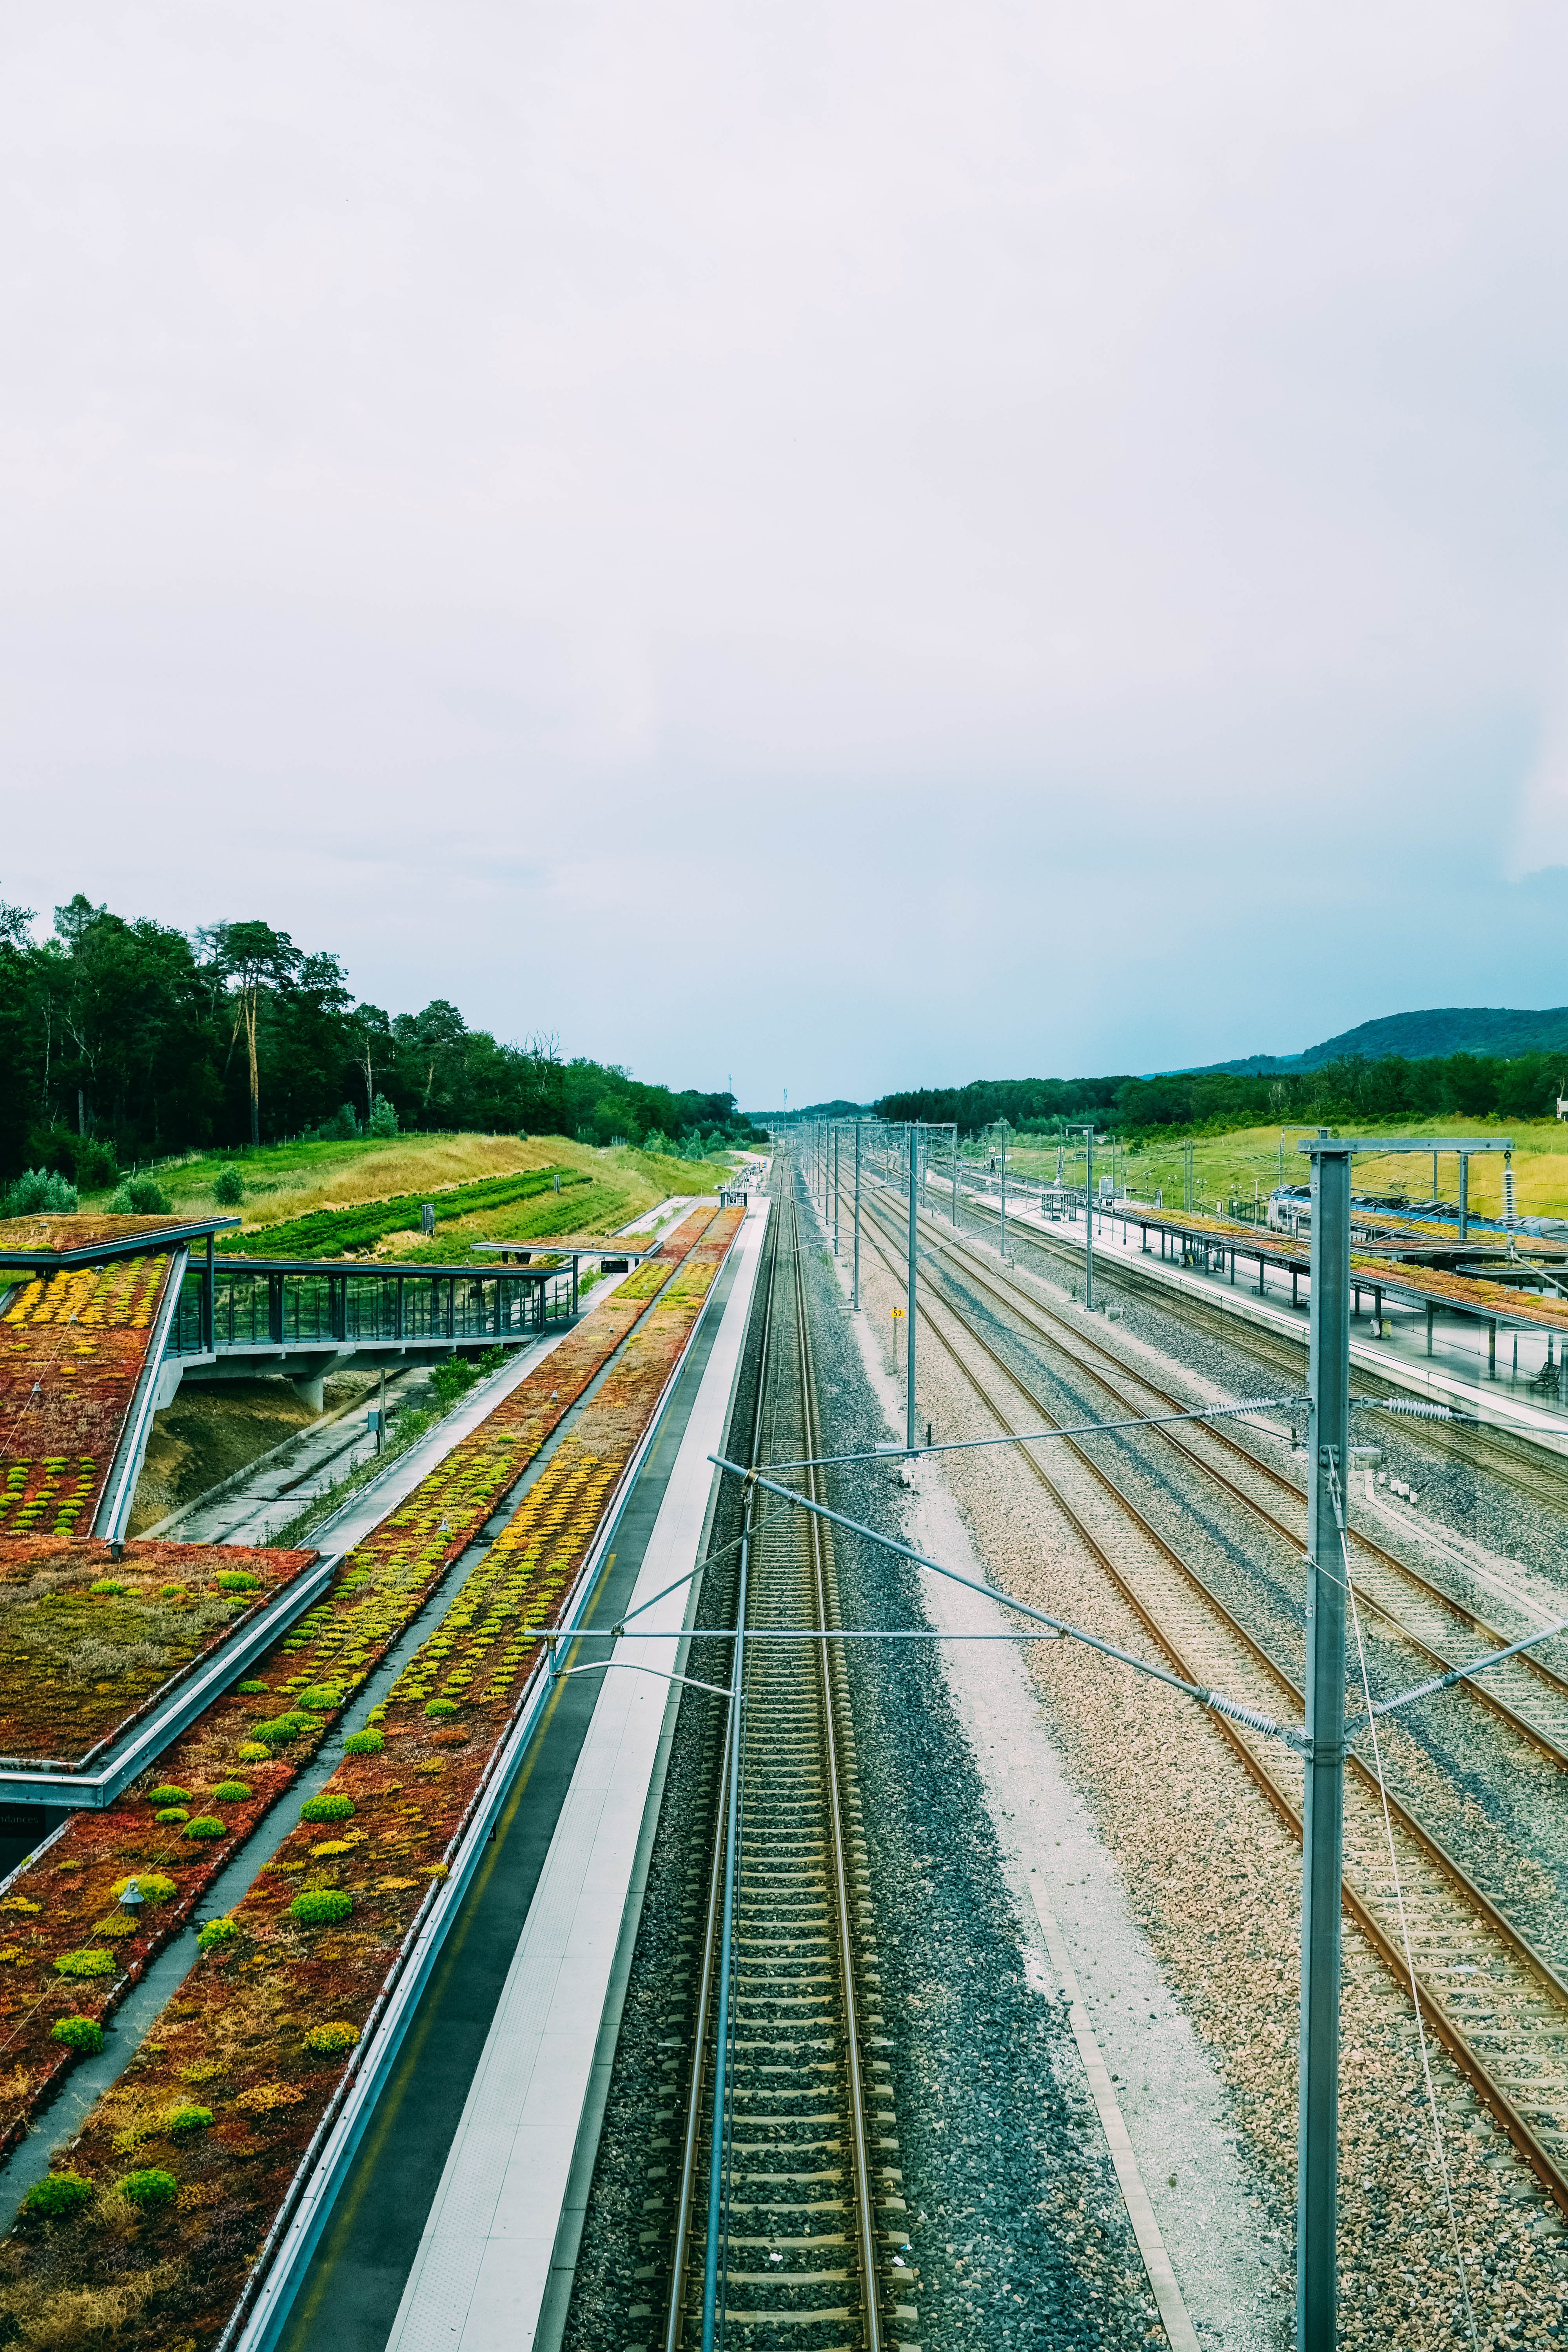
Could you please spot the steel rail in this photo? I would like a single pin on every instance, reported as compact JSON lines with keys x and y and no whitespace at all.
{"x":1546,"y":2167}
{"x":835,"y":1692}
{"x":675,"y":2314}
{"x":1029,"y":1310}
{"x":1037,"y":1309}
{"x":700,"y":2278}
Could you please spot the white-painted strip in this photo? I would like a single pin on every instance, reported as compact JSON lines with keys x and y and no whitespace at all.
{"x":1179,"y":2330}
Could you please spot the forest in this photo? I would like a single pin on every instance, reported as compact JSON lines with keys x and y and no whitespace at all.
{"x":1473,"y":1086}
{"x":125,"y":1041}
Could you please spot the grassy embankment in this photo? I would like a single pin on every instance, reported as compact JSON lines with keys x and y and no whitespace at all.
{"x":284,"y":1182}
{"x":1229,"y":1165}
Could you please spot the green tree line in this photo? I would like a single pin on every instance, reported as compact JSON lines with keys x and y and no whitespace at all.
{"x":1473,"y":1084}
{"x":123,"y":1041}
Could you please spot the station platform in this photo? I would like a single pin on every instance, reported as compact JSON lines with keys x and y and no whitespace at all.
{"x":1447,"y":1363}
{"x":459,"y":2225}
{"x":501,"y":2238}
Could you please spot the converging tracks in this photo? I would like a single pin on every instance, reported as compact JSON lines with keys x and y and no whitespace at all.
{"x":1495,"y":2001}
{"x":805,"y":2253}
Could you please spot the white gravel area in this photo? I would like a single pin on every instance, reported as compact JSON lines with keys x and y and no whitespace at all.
{"x":1227,"y":2260}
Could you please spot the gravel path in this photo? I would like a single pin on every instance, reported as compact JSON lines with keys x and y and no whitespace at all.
{"x":1212,"y":1878}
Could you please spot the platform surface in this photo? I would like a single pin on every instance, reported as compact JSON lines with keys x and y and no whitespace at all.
{"x":480,"y":2277}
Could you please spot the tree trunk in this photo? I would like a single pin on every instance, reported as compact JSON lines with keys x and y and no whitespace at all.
{"x":255,"y":1072}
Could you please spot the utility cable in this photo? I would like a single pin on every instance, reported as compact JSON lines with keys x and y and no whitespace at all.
{"x":1029,"y":1436}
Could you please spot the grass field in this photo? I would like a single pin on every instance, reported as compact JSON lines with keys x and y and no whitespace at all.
{"x":291,"y":1180}
{"x":1227,"y":1166}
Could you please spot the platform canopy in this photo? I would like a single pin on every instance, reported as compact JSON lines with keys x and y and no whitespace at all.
{"x":572,"y":1245}
{"x":62,"y":1239}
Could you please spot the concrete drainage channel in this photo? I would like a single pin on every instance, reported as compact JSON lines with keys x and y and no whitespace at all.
{"x":126,"y":2030}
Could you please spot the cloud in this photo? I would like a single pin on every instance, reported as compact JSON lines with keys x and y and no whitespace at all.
{"x":1040,"y":532}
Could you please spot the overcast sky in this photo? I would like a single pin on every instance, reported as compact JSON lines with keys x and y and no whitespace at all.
{"x":841,"y":544}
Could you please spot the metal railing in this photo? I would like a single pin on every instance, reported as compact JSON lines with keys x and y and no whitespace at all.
{"x":269,"y":1307}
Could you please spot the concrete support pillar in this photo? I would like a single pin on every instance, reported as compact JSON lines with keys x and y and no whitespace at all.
{"x":1431,"y":1319}
{"x":1491,"y":1348}
{"x":311,"y":1387}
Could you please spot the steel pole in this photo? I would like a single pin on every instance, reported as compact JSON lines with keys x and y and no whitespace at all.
{"x":1464,"y":1193}
{"x":1323,"y":1840}
{"x":910,"y":1303}
{"x":1004,"y":1201}
{"x":855,"y":1281}
{"x":836,"y":1188}
{"x":955,"y":1226}
{"x":1088,"y":1222}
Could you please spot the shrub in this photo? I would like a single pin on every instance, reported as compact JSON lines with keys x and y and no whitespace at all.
{"x":320,"y":1698}
{"x":83,"y":2034}
{"x":330,"y":2041}
{"x":205,"y":1827}
{"x":231,"y":1793}
{"x":10,"y":1956}
{"x":167,"y":1793}
{"x":383,"y":1118}
{"x":149,"y":2188}
{"x":280,"y":1729}
{"x":151,"y":1884}
{"x":441,"y":1707}
{"x":452,"y":1380}
{"x":320,"y":1907}
{"x":171,"y":1813}
{"x":236,"y":1580}
{"x":85,"y":1964}
{"x":57,"y":2196}
{"x":363,"y":1743}
{"x":171,"y":1593}
{"x":190,"y":2119}
{"x":251,"y":1690}
{"x":251,"y":1752}
{"x":326,"y":1809}
{"x":229,"y":1189}
{"x":96,"y":1167}
{"x":118,"y":1925}
{"x":141,"y":1196}
{"x":40,"y":1192}
{"x":216,"y":1934}
{"x":108,"y":1584}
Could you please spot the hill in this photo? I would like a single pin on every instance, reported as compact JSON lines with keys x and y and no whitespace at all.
{"x":1496,"y":1030}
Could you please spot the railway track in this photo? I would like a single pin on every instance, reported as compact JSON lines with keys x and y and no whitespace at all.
{"x":794,"y":2236}
{"x":1497,"y":2005}
{"x":1481,"y":1448}
{"x":1528,"y":1694}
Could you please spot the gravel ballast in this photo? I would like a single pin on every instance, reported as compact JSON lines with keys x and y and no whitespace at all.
{"x":1211,"y":1877}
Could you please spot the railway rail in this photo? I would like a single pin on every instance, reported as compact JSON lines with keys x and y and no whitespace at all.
{"x":1481,"y":1446}
{"x":1528,"y":1694}
{"x":1495,"y":2001}
{"x":794,"y":2233}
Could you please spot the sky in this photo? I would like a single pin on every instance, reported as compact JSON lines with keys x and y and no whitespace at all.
{"x":834,"y":546}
